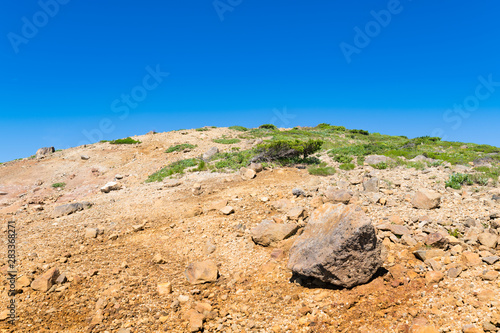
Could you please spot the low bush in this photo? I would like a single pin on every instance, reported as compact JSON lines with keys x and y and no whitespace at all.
{"x":226,"y":141}
{"x":288,"y":150}
{"x":171,"y":169}
{"x":180,"y":147}
{"x":126,"y":141}
{"x":239,"y":128}
{"x":58,"y":185}
{"x":347,"y":166}
{"x":456,"y":180}
{"x":268,"y":126}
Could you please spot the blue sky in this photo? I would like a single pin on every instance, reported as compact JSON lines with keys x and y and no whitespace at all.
{"x":75,"y":72}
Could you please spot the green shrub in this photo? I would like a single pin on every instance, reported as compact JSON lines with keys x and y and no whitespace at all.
{"x":226,"y":141}
{"x":180,"y":147}
{"x":356,"y":131}
{"x":104,"y":141}
{"x":416,"y":165}
{"x":288,"y":150}
{"x":456,"y":180}
{"x":343,"y":159}
{"x":58,"y":185}
{"x":233,"y":160}
{"x":380,"y":166}
{"x":171,"y":169}
{"x":321,"y":171}
{"x":347,"y":166}
{"x":126,"y":141}
{"x":202,"y":129}
{"x":324,"y":126}
{"x":268,"y":126}
{"x":239,"y":128}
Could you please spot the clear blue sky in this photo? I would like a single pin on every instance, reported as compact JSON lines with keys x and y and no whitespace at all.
{"x":76,"y":71}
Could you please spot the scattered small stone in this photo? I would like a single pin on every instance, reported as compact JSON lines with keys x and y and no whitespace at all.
{"x":227,"y":210}
{"x":298,"y":192}
{"x":111,"y":186}
{"x":85,"y":157}
{"x":202,"y":272}
{"x":44,"y":282}
{"x":157,"y":259}
{"x":372,"y":185}
{"x":91,"y":233}
{"x":269,"y":233}
{"x":488,"y":239}
{"x":426,"y":199}
{"x":491,"y":260}
{"x":164,"y":288}
{"x":257,"y":167}
{"x":247,"y":174}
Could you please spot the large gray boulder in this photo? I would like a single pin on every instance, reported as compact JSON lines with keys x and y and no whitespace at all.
{"x":71,"y":208}
{"x":376,"y":159}
{"x":338,"y":246}
{"x":207,"y":156}
{"x":42,"y":152}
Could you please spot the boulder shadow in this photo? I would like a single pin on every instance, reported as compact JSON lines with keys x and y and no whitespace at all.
{"x":315,"y":283}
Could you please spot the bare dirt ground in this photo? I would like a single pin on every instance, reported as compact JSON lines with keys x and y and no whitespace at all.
{"x":150,"y":232}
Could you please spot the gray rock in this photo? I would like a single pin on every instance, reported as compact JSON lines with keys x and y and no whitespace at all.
{"x":111,"y":186}
{"x":247,"y":174}
{"x":337,"y":196}
{"x":68,"y":209}
{"x":268,"y":233}
{"x":376,"y":159}
{"x":207,"y":156}
{"x":400,"y":230}
{"x":257,"y":167}
{"x":298,"y":192}
{"x":3,"y":193}
{"x":371,"y":185}
{"x":491,"y":260}
{"x":42,"y":152}
{"x":338,"y":246}
{"x":61,"y":279}
{"x":85,"y":157}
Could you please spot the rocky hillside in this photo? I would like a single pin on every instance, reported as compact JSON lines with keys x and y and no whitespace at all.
{"x":254,"y":230}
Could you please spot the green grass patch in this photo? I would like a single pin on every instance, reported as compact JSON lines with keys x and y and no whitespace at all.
{"x":238,"y":128}
{"x":172,"y":169}
{"x":233,"y":160}
{"x":347,"y":166}
{"x":456,"y":180}
{"x":380,"y":166}
{"x":58,"y":185}
{"x":321,"y":170}
{"x":227,"y":141}
{"x":126,"y":141}
{"x":180,"y":147}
